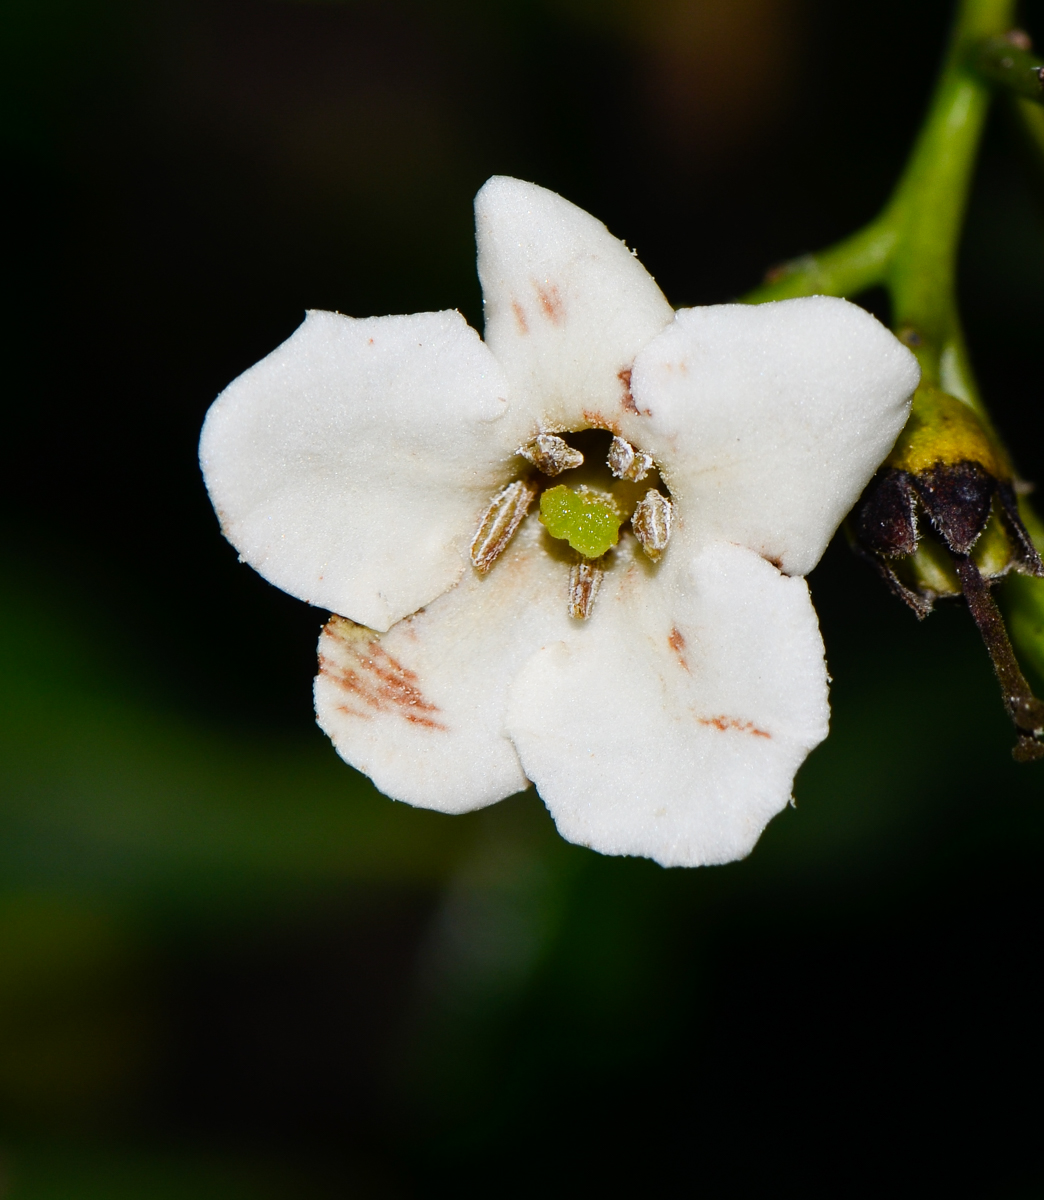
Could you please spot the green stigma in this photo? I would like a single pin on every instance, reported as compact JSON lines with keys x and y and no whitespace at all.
{"x":589,"y":521}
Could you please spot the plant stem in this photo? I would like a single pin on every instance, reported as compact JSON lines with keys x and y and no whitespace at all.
{"x":911,"y":248}
{"x":846,"y":269}
{"x":1025,"y":710}
{"x":929,"y":203}
{"x":1009,"y":62}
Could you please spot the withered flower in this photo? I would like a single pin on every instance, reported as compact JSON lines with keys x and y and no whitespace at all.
{"x":941,"y":518}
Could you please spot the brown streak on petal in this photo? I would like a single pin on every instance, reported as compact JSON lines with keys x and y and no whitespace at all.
{"x":596,"y":421}
{"x":726,"y":723}
{"x":427,"y":722}
{"x":628,"y":403}
{"x":368,"y":673}
{"x":677,"y":644}
{"x":520,"y":317}
{"x":624,"y":376}
{"x":551,"y":303}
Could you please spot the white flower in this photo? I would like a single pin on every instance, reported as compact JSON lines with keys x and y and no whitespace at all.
{"x":356,"y":465}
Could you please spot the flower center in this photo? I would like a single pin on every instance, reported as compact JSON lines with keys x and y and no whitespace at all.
{"x":587,"y":512}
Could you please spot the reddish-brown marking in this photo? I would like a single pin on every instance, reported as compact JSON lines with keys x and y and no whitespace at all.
{"x":380,"y":682}
{"x":551,"y":303}
{"x":677,"y":644}
{"x":777,"y":563}
{"x":724,"y":723}
{"x":597,"y":421}
{"x":520,"y":317}
{"x":370,"y":342}
{"x":624,"y":376}
{"x":627,"y":403}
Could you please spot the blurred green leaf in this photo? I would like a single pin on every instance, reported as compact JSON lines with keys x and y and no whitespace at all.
{"x":71,"y":1171}
{"x":100,"y":792}
{"x":75,"y":1026}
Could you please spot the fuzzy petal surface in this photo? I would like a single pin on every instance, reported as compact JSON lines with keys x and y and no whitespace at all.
{"x":671,"y":723}
{"x":567,"y":305}
{"x":351,"y":466}
{"x":420,"y":709}
{"x":768,"y":420}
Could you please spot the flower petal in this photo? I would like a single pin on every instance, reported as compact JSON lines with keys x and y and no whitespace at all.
{"x":567,"y":305}
{"x":671,"y":723}
{"x":420,"y":709}
{"x":352,"y":465}
{"x":769,"y":420}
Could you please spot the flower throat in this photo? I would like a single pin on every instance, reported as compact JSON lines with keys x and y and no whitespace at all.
{"x":608,"y":483}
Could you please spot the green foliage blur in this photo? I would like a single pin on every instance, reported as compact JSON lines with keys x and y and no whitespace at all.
{"x":228,"y":967}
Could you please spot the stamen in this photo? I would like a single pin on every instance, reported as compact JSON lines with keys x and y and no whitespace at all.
{"x":585,"y":579}
{"x":499,"y":522}
{"x":627,"y":463}
{"x":551,"y":454}
{"x":652,"y":522}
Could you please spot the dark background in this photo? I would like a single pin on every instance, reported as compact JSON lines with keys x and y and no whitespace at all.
{"x":227,"y":967}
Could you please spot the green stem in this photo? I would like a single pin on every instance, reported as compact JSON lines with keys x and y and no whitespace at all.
{"x":1009,"y":62}
{"x":929,"y":203}
{"x":911,"y":248}
{"x":850,"y":267}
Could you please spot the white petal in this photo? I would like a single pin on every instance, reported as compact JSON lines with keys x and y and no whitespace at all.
{"x":671,"y":723}
{"x":768,"y":420}
{"x":567,"y":305}
{"x":420,"y":709}
{"x":352,"y":465}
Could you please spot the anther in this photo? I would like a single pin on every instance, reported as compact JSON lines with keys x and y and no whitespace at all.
{"x":627,"y":463}
{"x":551,"y":454}
{"x":499,"y":522}
{"x":652,"y":522}
{"x":585,"y":579}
